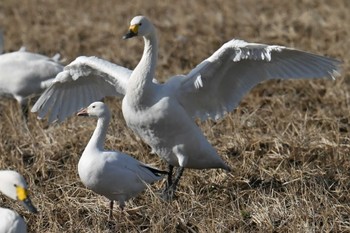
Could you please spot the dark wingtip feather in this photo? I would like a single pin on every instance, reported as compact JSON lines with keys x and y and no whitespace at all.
{"x":155,"y":170}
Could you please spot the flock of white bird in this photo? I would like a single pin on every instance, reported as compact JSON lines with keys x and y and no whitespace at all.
{"x":161,"y":114}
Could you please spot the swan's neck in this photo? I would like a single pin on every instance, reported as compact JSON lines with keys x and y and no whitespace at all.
{"x":98,"y":137}
{"x":148,"y":62}
{"x":141,"y":79}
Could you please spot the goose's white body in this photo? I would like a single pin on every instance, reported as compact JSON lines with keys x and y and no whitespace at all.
{"x":162,"y":114}
{"x":13,"y":185}
{"x":112,"y":174}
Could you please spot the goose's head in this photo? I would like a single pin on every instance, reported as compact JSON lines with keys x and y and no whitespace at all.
{"x":139,"y":26}
{"x":96,"y":109}
{"x":13,"y":185}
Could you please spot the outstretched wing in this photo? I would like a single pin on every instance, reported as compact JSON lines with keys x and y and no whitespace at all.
{"x":83,"y":81}
{"x":217,"y":84}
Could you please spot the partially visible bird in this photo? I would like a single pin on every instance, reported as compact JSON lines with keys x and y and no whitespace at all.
{"x":1,"y":41}
{"x":24,"y":74}
{"x":162,"y":114}
{"x":13,"y":185}
{"x":112,"y":174}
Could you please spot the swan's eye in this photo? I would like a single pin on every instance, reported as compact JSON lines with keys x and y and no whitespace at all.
{"x":93,"y":106}
{"x":140,"y":24}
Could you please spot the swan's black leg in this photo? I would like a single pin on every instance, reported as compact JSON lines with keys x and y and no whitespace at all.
{"x":170,"y":177}
{"x":169,"y":193}
{"x":164,"y":193}
{"x":178,"y":176}
{"x":25,"y":111}
{"x":24,"y":115}
{"x":110,"y":214}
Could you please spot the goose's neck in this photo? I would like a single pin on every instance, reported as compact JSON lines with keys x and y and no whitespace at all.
{"x":141,"y":79}
{"x":98,"y":138}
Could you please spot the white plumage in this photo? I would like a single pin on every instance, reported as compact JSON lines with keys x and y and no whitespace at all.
{"x":11,"y":222}
{"x":13,"y":185}
{"x":112,"y":174}
{"x":162,"y":114}
{"x":24,"y":74}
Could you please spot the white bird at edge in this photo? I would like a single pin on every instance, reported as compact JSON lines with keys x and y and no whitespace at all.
{"x":1,"y":41}
{"x":13,"y":185}
{"x":24,"y":74}
{"x":112,"y":174}
{"x":163,"y":114}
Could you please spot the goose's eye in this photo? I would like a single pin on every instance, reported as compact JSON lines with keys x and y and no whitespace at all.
{"x":140,"y":24}
{"x":93,"y":106}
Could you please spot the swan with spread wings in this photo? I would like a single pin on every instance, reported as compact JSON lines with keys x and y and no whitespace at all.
{"x":162,"y":115}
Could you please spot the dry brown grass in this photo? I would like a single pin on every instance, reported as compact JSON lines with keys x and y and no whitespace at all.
{"x":288,"y":142}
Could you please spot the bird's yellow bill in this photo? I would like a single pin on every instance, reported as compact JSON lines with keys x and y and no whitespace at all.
{"x":22,"y":193}
{"x":134,"y":28}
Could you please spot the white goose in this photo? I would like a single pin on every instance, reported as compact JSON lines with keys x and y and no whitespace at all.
{"x":112,"y":174}
{"x":13,"y":185}
{"x":24,"y":74}
{"x":162,"y":114}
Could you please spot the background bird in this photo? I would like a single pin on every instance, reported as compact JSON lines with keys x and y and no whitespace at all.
{"x":13,"y":185}
{"x":24,"y":75}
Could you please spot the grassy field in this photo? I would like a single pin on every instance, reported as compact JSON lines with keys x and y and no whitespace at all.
{"x":287,"y":142}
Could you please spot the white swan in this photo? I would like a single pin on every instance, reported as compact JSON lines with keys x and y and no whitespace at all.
{"x":112,"y":174}
{"x":13,"y":185}
{"x":24,"y":74}
{"x":162,"y":114}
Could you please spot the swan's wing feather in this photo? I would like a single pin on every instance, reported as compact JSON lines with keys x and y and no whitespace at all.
{"x":217,"y":84}
{"x":85,"y":80}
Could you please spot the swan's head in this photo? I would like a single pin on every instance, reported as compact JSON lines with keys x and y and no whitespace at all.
{"x":139,"y":26}
{"x":13,"y":185}
{"x":96,"y":109}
